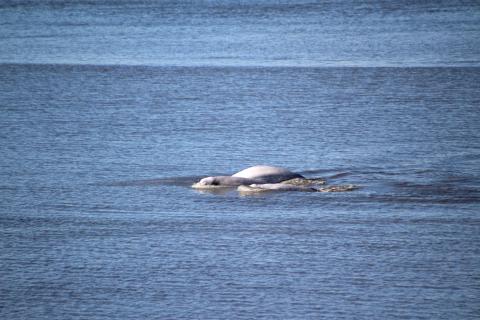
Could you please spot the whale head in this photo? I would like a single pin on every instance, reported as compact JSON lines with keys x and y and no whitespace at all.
{"x":209,"y":181}
{"x":222,"y":182}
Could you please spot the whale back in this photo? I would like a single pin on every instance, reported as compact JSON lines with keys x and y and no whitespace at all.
{"x":267,"y":174}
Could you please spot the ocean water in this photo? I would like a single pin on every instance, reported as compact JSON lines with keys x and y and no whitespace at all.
{"x":109,"y":111}
{"x":246,"y":32}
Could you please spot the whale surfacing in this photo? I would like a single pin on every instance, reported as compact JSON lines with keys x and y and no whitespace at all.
{"x":267,"y":173}
{"x":260,"y":174}
{"x":263,"y":178}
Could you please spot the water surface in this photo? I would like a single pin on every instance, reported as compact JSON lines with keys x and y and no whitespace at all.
{"x":110,"y":111}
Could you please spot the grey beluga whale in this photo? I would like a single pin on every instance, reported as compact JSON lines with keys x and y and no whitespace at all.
{"x":274,"y":187}
{"x":285,"y":186}
{"x":260,"y":174}
{"x":263,"y":178}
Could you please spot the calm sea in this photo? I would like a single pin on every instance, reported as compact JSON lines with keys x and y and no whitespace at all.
{"x":110,"y":110}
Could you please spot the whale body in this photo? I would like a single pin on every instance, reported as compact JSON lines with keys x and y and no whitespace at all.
{"x":273,"y":187}
{"x":260,"y":174}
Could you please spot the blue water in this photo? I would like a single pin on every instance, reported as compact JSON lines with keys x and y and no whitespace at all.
{"x":247,"y":32}
{"x":111,"y":110}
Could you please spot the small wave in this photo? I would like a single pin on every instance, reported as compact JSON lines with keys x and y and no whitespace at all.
{"x":317,"y":171}
{"x":172,"y":181}
{"x":326,"y":173}
{"x":424,"y":199}
{"x":339,"y":175}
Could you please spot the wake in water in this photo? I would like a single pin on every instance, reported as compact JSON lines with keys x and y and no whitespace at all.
{"x":255,"y":179}
{"x":378,"y":185}
{"x":262,"y":178}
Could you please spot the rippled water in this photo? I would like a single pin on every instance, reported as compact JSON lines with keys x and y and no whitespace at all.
{"x":247,"y":32}
{"x":97,"y":217}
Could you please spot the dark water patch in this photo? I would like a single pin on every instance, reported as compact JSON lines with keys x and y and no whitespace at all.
{"x":445,"y":188}
{"x":338,"y":175}
{"x":420,"y":199}
{"x":310,"y":172}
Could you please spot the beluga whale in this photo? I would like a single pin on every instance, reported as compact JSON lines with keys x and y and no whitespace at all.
{"x":267,"y":177}
{"x":263,"y":178}
{"x":260,"y":174}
